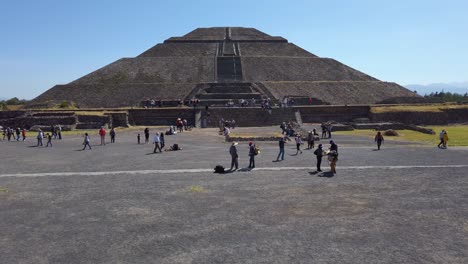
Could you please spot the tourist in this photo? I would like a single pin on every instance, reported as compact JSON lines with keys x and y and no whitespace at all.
{"x":138,"y":138}
{"x":252,"y":153}
{"x":233,"y":123}
{"x":281,"y":149}
{"x":156,"y":142}
{"x":316,"y":135}
{"x":445,"y":138}
{"x":298,"y":143}
{"x":329,"y":129}
{"x":379,"y":139}
{"x":112,"y":135}
{"x":333,"y":156}
{"x":147,"y":134}
{"x":9,"y":133}
{"x":40,"y":136}
{"x":179,"y":125}
{"x":185,"y":124}
{"x":441,"y":138}
{"x":310,"y":140}
{"x":52,"y":130}
{"x":49,"y":140}
{"x":234,"y":156}
{"x":59,"y":131}
{"x":319,"y":153}
{"x":102,"y":133}
{"x":283,"y":128}
{"x":324,"y":130}
{"x":161,"y":140}
{"x":226,"y":133}
{"x":23,"y":134}
{"x":18,"y":133}
{"x":86,"y":141}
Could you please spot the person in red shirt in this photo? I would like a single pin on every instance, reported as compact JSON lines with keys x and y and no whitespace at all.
{"x":102,"y":133}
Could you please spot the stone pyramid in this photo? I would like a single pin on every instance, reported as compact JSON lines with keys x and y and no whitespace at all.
{"x":221,"y":63}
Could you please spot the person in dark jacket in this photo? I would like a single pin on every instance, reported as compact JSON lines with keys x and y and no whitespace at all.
{"x":319,"y":153}
{"x":252,"y":153}
{"x":379,"y":139}
{"x":112,"y":135}
{"x":147,"y":135}
{"x":281,"y":149}
{"x":234,"y":156}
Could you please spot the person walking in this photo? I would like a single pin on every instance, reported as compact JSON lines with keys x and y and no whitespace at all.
{"x":147,"y":134}
{"x":252,"y":153}
{"x":40,"y":136}
{"x":49,"y":140}
{"x":310,"y":140}
{"x":441,"y":138}
{"x":324,"y":130}
{"x":86,"y":141}
{"x":234,"y":156}
{"x":333,"y":156}
{"x":23,"y":134}
{"x":281,"y":149}
{"x":102,"y":133}
{"x":112,"y":135}
{"x":156,"y":142}
{"x":161,"y":140}
{"x":319,"y":154}
{"x":298,"y":143}
{"x":59,"y":131}
{"x":445,"y":139}
{"x":379,"y":139}
{"x":18,"y":133}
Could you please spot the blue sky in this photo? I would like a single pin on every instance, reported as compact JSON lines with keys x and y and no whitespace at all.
{"x":47,"y":42}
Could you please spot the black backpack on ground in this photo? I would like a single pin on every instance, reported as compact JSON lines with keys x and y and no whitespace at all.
{"x":219,"y":169}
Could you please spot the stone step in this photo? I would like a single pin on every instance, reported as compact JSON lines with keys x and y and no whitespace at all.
{"x":234,"y":96}
{"x":229,"y":89}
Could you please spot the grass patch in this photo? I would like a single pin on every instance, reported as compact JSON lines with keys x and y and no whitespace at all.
{"x":196,"y":189}
{"x":3,"y":190}
{"x":415,"y":108}
{"x":458,"y":135}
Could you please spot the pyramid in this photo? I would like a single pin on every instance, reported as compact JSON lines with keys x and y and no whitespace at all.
{"x":221,"y":63}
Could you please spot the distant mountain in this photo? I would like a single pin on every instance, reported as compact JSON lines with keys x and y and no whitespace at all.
{"x":460,"y":88}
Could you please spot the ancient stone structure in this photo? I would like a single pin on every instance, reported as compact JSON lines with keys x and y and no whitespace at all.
{"x":218,"y":64}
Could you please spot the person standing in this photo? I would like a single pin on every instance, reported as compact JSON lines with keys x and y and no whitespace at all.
{"x":112,"y":135}
{"x":147,"y":134}
{"x":40,"y":136}
{"x":161,"y":140}
{"x":333,"y":156}
{"x":87,"y":141}
{"x":226,"y":133}
{"x":102,"y":133}
{"x":441,"y":138}
{"x":379,"y":139}
{"x":298,"y":143}
{"x":324,"y":130}
{"x":18,"y":133}
{"x":234,"y":156}
{"x":319,"y":153}
{"x":23,"y":134}
{"x":281,"y":149}
{"x":59,"y":131}
{"x":252,"y":153}
{"x":445,"y":139}
{"x":49,"y":140}
{"x":310,"y":140}
{"x":156,"y":142}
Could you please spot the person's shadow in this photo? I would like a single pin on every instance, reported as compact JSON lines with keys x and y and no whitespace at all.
{"x":326,"y":174}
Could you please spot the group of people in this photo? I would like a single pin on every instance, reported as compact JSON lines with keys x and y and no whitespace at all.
{"x":287,"y":102}
{"x":312,"y":136}
{"x":326,"y":129}
{"x":443,"y":137}
{"x":9,"y":133}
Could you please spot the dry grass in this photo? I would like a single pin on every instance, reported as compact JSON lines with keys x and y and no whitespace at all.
{"x":416,"y":108}
{"x":458,"y":135}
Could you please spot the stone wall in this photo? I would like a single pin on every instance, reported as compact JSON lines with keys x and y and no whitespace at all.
{"x":415,"y":118}
{"x":318,"y":114}
{"x":160,"y":116}
{"x":248,"y":116}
